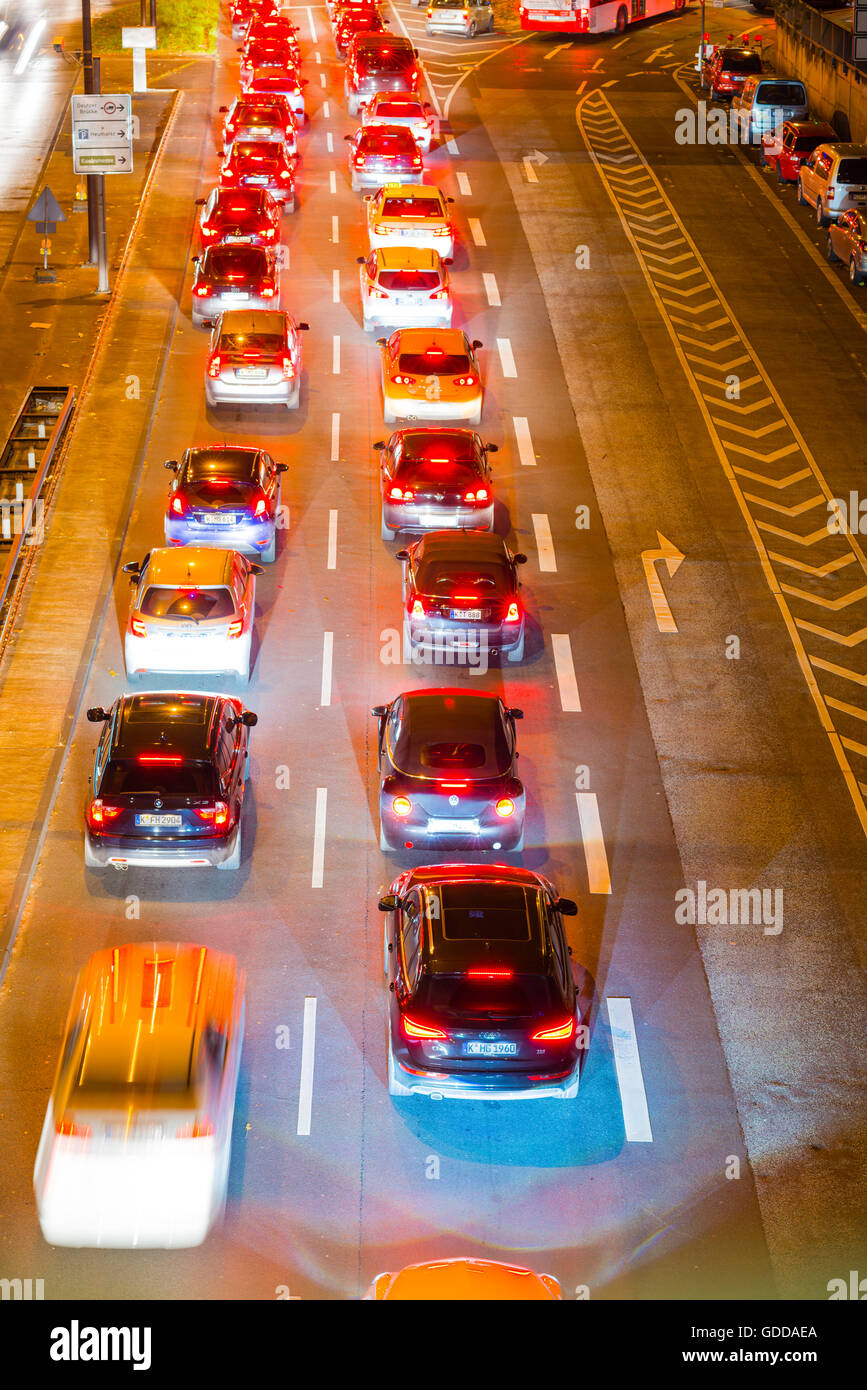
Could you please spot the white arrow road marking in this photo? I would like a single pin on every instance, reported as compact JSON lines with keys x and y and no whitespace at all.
{"x":627,"y":1064}
{"x":673,"y":558}
{"x":308,"y":1054}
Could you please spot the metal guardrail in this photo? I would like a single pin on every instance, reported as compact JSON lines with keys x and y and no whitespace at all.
{"x":26,"y":464}
{"x":816,"y":28}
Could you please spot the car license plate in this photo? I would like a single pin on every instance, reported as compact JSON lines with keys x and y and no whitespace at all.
{"x":470,"y":614}
{"x":238,"y":238}
{"x":219,"y":519}
{"x":252,"y":373}
{"x":260,"y":130}
{"x":147,"y":819}
{"x":234,"y":294}
{"x":453,"y":827}
{"x":490,"y":1049}
{"x":257,"y":178}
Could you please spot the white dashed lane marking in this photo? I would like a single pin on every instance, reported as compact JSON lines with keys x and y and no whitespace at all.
{"x":565,"y":668}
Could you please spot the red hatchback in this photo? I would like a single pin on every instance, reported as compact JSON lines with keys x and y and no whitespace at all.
{"x":261,"y":164}
{"x":259,"y":117}
{"x":239,"y":216}
{"x":787,"y":149}
{"x":729,"y":69}
{"x":243,"y":11}
{"x":268,"y":53}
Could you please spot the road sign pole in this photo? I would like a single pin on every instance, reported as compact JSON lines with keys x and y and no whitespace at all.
{"x":102,"y":239}
{"x":87,"y":63}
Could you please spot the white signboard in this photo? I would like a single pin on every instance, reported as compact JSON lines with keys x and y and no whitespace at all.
{"x":138,"y":37}
{"x":102,"y":134}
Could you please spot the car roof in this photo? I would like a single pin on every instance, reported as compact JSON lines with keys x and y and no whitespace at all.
{"x":226,"y":454}
{"x":420,"y":191}
{"x":461,"y":546}
{"x":467,"y":1279}
{"x":190,"y":564}
{"x":165,"y":722}
{"x":407,"y":258}
{"x":805,"y":127}
{"x":254,"y":321}
{"x":453,"y":943}
{"x":420,"y":339}
{"x":845,"y":151}
{"x":375,"y":129}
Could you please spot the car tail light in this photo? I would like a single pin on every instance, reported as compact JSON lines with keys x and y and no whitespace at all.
{"x":161,"y":759}
{"x":487,"y":972}
{"x":440,"y":294}
{"x":269,"y":233}
{"x":137,"y":627}
{"x":230,"y":127}
{"x":219,"y":812}
{"x":378,"y":294}
{"x":416,"y":161}
{"x":215,"y":366}
{"x":413,"y":1030}
{"x":403,"y":380}
{"x":505,"y":807}
{"x":267,"y":291}
{"x":288,"y":368}
{"x":178,"y":506}
{"x":400,"y":495}
{"x":417,"y":610}
{"x":480,"y":495}
{"x":99,"y":814}
{"x":830,"y":190}
{"x":401,"y":805}
{"x":260,"y":507}
{"x":440,"y":231}
{"x":465,"y":381}
{"x":235,"y":629}
{"x":512,"y":613}
{"x":200,"y":1129}
{"x":202,"y":290}
{"x":208,"y":231}
{"x":556,"y":1032}
{"x":359,"y":161}
{"x":68,"y":1130}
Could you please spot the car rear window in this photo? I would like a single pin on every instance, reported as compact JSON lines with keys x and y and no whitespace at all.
{"x":781,"y":94}
{"x":371,"y":63}
{"x":378,"y":140}
{"x":193,"y":604}
{"x":852,"y":170}
{"x":237,"y":260}
{"x":485,"y":579}
{"x":238,"y":204}
{"x":260,"y":152}
{"x":446,"y":4}
{"x":439,"y":448}
{"x":422,"y":744}
{"x":266,"y":344}
{"x":742,"y":62}
{"x":509,"y":912}
{"x":129,"y":777}
{"x":411,"y":207}
{"x":515,"y":1000}
{"x":408,"y":279}
{"x":260,"y":115}
{"x":805,"y":143}
{"x":399,"y":108}
{"x":235,"y":465}
{"x":434,"y":364}
{"x":274,"y":81}
{"x":452,"y":757}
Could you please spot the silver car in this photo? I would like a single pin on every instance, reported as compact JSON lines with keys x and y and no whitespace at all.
{"x":766,"y":102}
{"x":467,"y":17}
{"x":255,"y":359}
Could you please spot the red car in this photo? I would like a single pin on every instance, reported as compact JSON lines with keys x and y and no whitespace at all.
{"x":258,"y":117}
{"x":787,"y":149}
{"x":239,"y":216}
{"x":356,"y":22}
{"x":268,"y":53}
{"x":243,"y":11}
{"x":261,"y":164}
{"x":728,"y":69}
{"x":274,"y":27}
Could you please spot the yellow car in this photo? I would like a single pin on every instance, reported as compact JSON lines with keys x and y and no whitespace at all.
{"x":430,"y":374}
{"x":464,"y":1280}
{"x":407,"y":214}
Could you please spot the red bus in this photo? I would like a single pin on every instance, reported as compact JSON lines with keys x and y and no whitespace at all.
{"x":592,"y":16}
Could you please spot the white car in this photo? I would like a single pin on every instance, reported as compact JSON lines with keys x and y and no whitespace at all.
{"x":191,"y":611}
{"x":410,"y":215}
{"x":136,"y":1144}
{"x":402,"y":108}
{"x":405,"y":286}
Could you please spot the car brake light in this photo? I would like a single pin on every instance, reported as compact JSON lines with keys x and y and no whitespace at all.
{"x":68,"y":1130}
{"x":178,"y":506}
{"x":267,"y":291}
{"x":417,"y":609}
{"x":558,"y":1032}
{"x":512,"y":614}
{"x":412,"y":1029}
{"x":235,"y":629}
{"x":378,"y":294}
{"x":416,"y":161}
{"x":480,"y":495}
{"x":219,"y":812}
{"x":486,"y":972}
{"x":505,"y":807}
{"x":440,"y":231}
{"x":401,"y":805}
{"x":137,"y":627}
{"x":214,"y":369}
{"x":359,"y":161}
{"x":830,"y":190}
{"x":403,"y":380}
{"x":269,"y":233}
{"x":161,"y":759}
{"x":440,"y":294}
{"x":100,"y":813}
{"x":202,"y":290}
{"x":397,"y":494}
{"x":465,"y":381}
{"x":201,"y":1129}
{"x":207,"y":231}
{"x":260,"y":507}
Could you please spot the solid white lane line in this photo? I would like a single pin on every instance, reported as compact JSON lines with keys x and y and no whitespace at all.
{"x":319,"y":837}
{"x":335,"y":286}
{"x":491,"y":290}
{"x":335,"y":437}
{"x":507,"y":360}
{"x":335,"y":229}
{"x":464,"y":185}
{"x":313,"y":34}
{"x":530,"y":172}
{"x":476,"y":232}
{"x":329,"y":142}
{"x":308,"y":1054}
{"x":627,"y":1064}
{"x":326,"y":110}
{"x":335,"y":354}
{"x":598,"y":875}
{"x":332,"y":181}
{"x":565,"y":668}
{"x":544,"y":543}
{"x":526,"y":452}
{"x":327,"y":664}
{"x":332,"y":540}
{"x":452,"y":146}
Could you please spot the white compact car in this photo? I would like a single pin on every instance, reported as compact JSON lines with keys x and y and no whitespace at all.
{"x":191,"y":611}
{"x":136,"y":1145}
{"x":407,"y":286}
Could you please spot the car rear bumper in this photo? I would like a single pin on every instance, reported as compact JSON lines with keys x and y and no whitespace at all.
{"x":199,"y":655}
{"x":506,"y":835}
{"x":422,"y":409}
{"x":282,"y":392}
{"x":208,"y":309}
{"x":418,"y":520}
{"x":488,"y":1086}
{"x":410,"y":316}
{"x":436,"y":642}
{"x":116,"y":851}
{"x":375,"y":178}
{"x":250,"y":537}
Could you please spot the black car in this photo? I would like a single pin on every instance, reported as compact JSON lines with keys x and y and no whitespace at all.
{"x":447,"y":760}
{"x":226,"y":495}
{"x":460,"y":593}
{"x":435,"y":477}
{"x":168,"y":782}
{"x":483,"y":1001}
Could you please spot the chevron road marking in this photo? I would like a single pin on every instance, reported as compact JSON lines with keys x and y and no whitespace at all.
{"x":785,"y":481}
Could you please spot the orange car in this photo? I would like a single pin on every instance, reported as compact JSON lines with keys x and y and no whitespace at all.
{"x":464,"y":1280}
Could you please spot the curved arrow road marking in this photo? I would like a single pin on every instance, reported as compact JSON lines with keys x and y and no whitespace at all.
{"x":673,"y":558}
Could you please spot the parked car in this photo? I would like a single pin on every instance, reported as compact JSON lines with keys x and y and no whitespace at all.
{"x":786,"y":150}
{"x":834,"y":179}
{"x":726,"y":69}
{"x":766,"y":102}
{"x":847,"y":242}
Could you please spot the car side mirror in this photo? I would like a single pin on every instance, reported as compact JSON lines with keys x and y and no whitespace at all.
{"x":223,"y":110}
{"x":249,"y":719}
{"x":427,"y":106}
{"x":97,"y":715}
{"x":566,"y":907}
{"x":196,"y":260}
{"x":448,"y":260}
{"x":378,"y":444}
{"x":221,"y":154}
{"x":282,"y":467}
{"x":520,"y":558}
{"x":379,"y":711}
{"x":402,"y":555}
{"x":172,"y":464}
{"x":515,"y":713}
{"x":304,"y":327}
{"x":477,"y":343}
{"x":415,"y":52}
{"x":450,"y":200}
{"x":256,"y":568}
{"x":200,"y":202}
{"x":381,"y":342}
{"x":304,"y":82}
{"x":390,"y":903}
{"x":492,"y":448}
{"x":132,"y":568}
{"x":360,"y":260}
{"x":347,"y":137}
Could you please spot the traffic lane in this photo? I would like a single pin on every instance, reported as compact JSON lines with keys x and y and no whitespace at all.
{"x":730,"y":827}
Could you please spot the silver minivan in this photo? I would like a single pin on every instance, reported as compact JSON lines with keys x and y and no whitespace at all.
{"x":765,"y":101}
{"x":466,"y":17}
